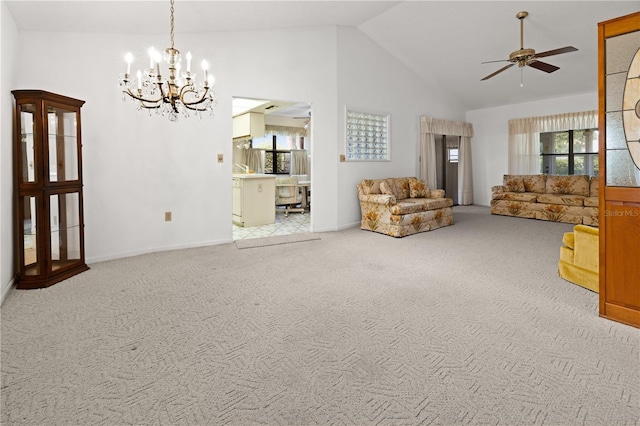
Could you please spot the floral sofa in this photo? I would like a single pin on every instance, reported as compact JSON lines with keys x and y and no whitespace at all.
{"x":402,"y":206}
{"x":569,"y":199}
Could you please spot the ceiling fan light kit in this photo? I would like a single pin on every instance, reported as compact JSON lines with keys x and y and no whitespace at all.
{"x":528,"y":57}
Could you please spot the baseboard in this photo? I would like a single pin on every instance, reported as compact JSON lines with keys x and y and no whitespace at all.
{"x":6,"y":288}
{"x":97,"y":259}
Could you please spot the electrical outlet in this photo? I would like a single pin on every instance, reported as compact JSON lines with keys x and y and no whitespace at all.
{"x":167,"y":216}
{"x":220,"y":158}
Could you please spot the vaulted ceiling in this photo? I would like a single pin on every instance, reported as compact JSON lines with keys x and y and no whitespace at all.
{"x":442,"y":41}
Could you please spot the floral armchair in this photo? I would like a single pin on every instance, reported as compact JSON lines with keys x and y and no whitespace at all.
{"x":402,"y":206}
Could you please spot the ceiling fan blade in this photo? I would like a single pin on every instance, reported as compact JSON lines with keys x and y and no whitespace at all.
{"x":556,"y":51}
{"x":543,"y":66}
{"x":497,"y":72}
{"x":491,"y":62}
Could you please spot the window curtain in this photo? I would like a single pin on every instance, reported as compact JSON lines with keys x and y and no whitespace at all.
{"x":255,"y":159}
{"x":285,"y":130}
{"x":524,"y":137}
{"x":428,"y":171}
{"x":429,"y":127}
{"x":299,"y":163}
{"x":465,"y":174}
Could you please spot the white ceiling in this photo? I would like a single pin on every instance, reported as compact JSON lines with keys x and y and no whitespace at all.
{"x":442,"y":41}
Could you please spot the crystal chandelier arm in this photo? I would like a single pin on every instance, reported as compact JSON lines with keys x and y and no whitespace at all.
{"x":191,"y":104}
{"x":140,"y":98}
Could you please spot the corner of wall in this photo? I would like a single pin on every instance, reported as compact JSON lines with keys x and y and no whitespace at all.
{"x":8,"y":51}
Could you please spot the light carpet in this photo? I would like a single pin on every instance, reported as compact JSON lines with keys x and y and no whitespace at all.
{"x":276,"y":240}
{"x":467,"y":324}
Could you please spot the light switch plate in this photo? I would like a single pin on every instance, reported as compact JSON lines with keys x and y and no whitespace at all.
{"x":220,"y":158}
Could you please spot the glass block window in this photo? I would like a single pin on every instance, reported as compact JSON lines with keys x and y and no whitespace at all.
{"x":367,"y":136}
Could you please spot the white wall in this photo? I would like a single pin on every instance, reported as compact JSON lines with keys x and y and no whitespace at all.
{"x":138,"y":167}
{"x":369,"y":77}
{"x":490,"y":141}
{"x":8,"y":53}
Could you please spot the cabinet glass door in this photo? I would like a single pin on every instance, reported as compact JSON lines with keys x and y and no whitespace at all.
{"x":62,"y":144}
{"x":64,"y":216}
{"x":29,"y":209}
{"x":27,"y":145}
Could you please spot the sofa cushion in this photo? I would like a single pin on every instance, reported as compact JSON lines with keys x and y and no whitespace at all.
{"x":388,"y":187}
{"x":572,"y":184}
{"x":417,"y":189}
{"x":371,"y":186}
{"x":591,"y":202}
{"x":402,"y":187}
{"x":534,"y":183}
{"x":414,"y":205}
{"x":566,"y":200}
{"x":515,"y":196}
{"x":513,"y":183}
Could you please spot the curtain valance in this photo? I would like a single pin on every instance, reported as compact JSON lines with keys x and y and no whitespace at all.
{"x":285,"y":130}
{"x":445,"y":127}
{"x":554,"y":123}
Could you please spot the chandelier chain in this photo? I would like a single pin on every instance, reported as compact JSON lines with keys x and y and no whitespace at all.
{"x":172,"y":24}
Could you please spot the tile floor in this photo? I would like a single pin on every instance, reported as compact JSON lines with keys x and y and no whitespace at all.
{"x":292,"y":224}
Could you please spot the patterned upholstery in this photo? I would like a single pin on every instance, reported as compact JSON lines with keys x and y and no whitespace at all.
{"x":392,"y":206}
{"x":569,"y":199}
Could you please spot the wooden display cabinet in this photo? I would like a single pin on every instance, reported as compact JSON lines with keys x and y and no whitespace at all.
{"x":49,"y":222}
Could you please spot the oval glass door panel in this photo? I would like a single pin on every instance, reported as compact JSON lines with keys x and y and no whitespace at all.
{"x":631,"y":109}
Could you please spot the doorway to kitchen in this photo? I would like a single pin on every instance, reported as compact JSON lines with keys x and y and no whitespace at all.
{"x":271,"y":159}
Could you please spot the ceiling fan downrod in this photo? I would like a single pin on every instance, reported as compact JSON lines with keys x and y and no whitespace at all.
{"x":523,"y":56}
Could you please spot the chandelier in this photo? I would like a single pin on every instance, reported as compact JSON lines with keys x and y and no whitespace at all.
{"x":176,"y":95}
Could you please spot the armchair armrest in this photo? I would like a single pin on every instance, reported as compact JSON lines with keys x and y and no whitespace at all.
{"x":436,"y":193}
{"x":498,"y":189}
{"x":385,"y":199}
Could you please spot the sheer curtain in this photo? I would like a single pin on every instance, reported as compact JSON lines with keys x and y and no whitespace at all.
{"x":524,"y":137}
{"x":428,"y":159}
{"x":465,"y":175}
{"x":299,"y":163}
{"x":255,"y":160}
{"x":429,"y":127}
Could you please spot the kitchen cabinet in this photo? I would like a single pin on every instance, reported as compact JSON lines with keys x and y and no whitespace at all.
{"x":249,"y":125}
{"x":254,"y":199}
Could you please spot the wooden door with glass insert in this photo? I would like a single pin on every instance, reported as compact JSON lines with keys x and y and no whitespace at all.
{"x":619,"y":158}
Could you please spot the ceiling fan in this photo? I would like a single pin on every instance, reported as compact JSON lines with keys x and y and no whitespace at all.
{"x":529,"y":57}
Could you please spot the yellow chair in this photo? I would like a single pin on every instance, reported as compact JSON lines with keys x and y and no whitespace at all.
{"x":579,"y":258}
